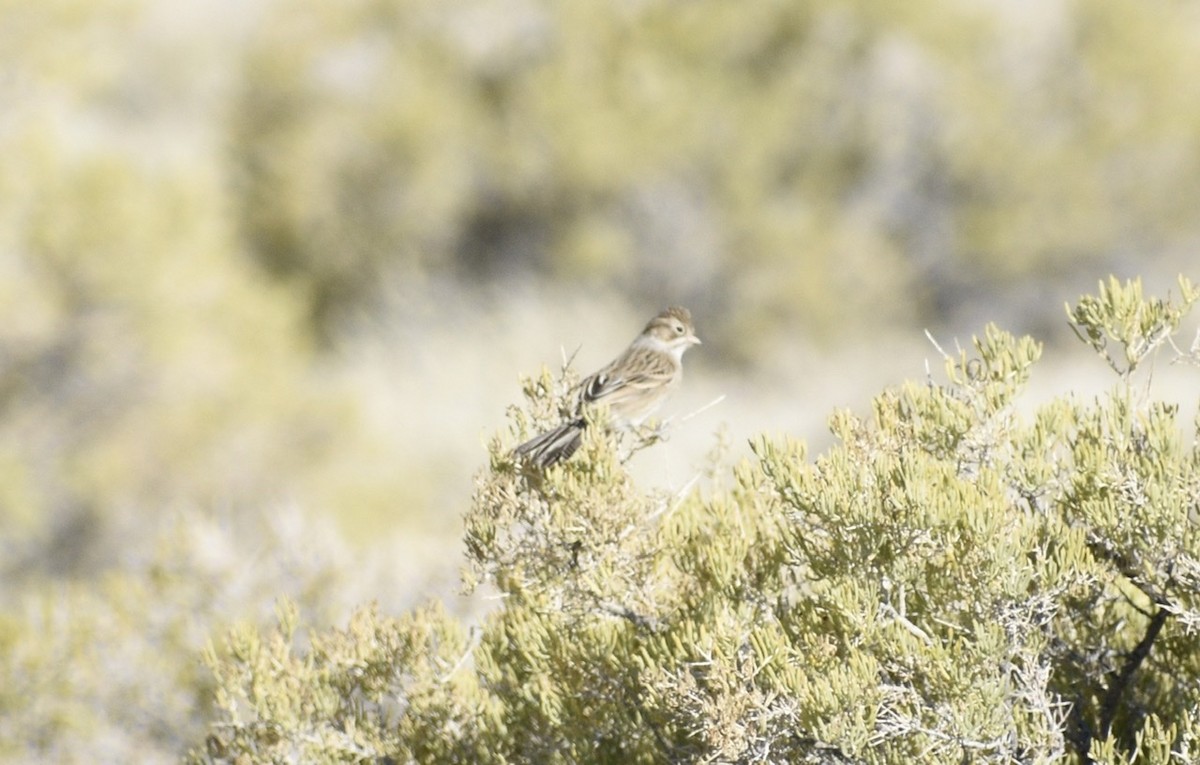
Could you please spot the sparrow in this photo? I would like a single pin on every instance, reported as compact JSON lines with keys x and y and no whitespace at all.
{"x":633,"y":386}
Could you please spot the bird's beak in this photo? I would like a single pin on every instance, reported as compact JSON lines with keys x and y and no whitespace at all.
{"x":696,"y":340}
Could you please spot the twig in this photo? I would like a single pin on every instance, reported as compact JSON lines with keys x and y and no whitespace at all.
{"x":906,"y":624}
{"x":929,"y":336}
{"x":568,"y":360}
{"x":1112,"y":697}
{"x":704,"y":408}
{"x":645,"y":622}
{"x":476,"y":636}
{"x":1190,"y":356}
{"x":676,"y":500}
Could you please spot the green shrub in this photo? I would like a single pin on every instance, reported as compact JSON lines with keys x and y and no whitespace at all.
{"x":104,"y":668}
{"x":953,"y":581}
{"x":759,"y":152}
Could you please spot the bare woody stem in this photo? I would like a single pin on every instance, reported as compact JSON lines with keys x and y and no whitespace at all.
{"x":1112,"y":697}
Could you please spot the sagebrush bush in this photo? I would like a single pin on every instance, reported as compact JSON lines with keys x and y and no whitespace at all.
{"x":105,"y":668}
{"x":745,"y":157}
{"x":953,"y":581}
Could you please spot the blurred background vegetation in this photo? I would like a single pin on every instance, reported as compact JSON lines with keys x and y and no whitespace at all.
{"x":269,"y":271}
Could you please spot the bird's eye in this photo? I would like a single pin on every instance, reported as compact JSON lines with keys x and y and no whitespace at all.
{"x":679,"y":329}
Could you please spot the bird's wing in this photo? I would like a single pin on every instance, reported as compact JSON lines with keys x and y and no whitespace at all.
{"x":636,"y":370}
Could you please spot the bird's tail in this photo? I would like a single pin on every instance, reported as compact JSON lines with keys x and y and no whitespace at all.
{"x":553,"y":446}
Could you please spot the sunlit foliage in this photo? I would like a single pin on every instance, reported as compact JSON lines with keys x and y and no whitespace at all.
{"x":951,"y":582}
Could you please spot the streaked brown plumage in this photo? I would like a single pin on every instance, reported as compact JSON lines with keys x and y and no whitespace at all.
{"x":633,"y":385}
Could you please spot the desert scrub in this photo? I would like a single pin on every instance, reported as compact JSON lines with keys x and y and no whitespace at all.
{"x":953,"y":581}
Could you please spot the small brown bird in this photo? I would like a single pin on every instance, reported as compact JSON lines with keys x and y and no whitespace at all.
{"x":633,"y":386}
